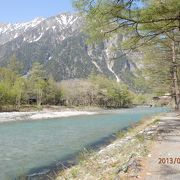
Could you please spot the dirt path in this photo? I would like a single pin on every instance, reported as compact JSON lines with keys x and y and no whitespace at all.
{"x":163,"y":162}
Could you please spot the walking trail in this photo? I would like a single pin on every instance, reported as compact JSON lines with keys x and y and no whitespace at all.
{"x":163,"y":161}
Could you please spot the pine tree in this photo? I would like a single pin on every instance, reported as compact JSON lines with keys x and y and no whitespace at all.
{"x":141,"y":22}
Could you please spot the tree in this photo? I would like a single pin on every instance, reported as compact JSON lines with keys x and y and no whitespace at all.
{"x":51,"y":91}
{"x":145,"y":18}
{"x":162,"y":65}
{"x":37,"y":81}
{"x":11,"y":87}
{"x":141,"y":22}
{"x":18,"y":90}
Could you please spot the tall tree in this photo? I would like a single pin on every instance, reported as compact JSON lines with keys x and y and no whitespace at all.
{"x":37,"y":81}
{"x":141,"y":21}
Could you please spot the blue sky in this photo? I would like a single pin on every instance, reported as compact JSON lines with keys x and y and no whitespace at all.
{"x":24,"y":10}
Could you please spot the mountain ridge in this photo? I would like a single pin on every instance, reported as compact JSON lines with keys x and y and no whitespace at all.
{"x":60,"y":45}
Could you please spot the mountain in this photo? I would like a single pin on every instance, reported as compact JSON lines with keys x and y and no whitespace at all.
{"x":60,"y":45}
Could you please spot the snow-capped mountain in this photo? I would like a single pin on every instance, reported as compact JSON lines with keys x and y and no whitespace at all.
{"x":35,"y":29}
{"x":59,"y":44}
{"x":9,"y":31}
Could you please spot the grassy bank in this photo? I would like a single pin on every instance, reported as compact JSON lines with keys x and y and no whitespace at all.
{"x":120,"y":159}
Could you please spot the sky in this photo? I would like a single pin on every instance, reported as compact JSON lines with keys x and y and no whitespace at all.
{"x":13,"y":11}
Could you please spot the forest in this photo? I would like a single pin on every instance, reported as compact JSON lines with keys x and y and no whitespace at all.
{"x":37,"y":89}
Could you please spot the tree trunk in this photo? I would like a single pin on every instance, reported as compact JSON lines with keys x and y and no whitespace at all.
{"x":39,"y":97}
{"x":175,"y":77}
{"x":18,"y":102}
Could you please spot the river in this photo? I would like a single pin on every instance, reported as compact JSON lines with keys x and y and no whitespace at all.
{"x":26,"y":146}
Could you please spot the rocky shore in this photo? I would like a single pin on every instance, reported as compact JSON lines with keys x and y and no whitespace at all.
{"x":17,"y":116}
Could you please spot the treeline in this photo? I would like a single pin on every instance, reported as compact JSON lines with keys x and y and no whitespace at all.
{"x":97,"y":90}
{"x":36,"y":88}
{"x":17,"y":90}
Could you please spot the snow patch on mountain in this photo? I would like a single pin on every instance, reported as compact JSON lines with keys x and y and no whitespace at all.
{"x":97,"y":66}
{"x":10,"y":31}
{"x":37,"y":39}
{"x":65,"y":20}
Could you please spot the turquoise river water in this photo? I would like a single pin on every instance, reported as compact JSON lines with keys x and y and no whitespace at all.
{"x":30,"y":145}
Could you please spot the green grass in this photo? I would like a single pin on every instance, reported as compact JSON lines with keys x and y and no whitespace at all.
{"x":74,"y":172}
{"x":156,"y":121}
{"x":140,"y":138}
{"x":121,"y":134}
{"x":84,"y":155}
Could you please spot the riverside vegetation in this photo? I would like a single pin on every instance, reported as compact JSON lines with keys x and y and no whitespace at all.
{"x":120,"y":159}
{"x":36,"y":89}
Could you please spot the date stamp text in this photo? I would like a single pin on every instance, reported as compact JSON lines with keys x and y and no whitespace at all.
{"x":169,"y":160}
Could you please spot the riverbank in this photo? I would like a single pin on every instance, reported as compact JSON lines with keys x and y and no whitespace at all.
{"x":45,"y":113}
{"x":122,"y":159}
{"x":48,"y":112}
